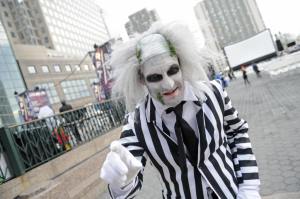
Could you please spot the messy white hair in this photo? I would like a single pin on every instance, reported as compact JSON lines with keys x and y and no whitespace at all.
{"x":127,"y":68}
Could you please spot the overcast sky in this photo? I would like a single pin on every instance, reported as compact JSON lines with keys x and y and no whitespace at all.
{"x":278,"y":15}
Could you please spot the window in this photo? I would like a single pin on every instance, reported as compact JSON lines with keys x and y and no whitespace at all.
{"x":77,"y":67}
{"x":75,"y":89}
{"x":86,"y":67}
{"x":13,"y":34}
{"x":45,"y":69}
{"x":43,"y":30}
{"x":57,"y":68}
{"x":33,"y":23}
{"x":21,"y":35}
{"x":31,"y":69}
{"x":68,"y":68}
{"x":17,"y":25}
{"x":37,"y":33}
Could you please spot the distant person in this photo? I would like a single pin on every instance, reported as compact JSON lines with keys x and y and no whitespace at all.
{"x":70,"y":117}
{"x":245,"y":76}
{"x":256,"y":70}
{"x":45,"y":111}
{"x":45,"y":114}
{"x":231,"y":74}
{"x":65,"y":107}
{"x":219,"y":76}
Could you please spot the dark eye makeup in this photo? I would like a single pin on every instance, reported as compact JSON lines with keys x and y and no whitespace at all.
{"x":154,"y":78}
{"x":173,"y":70}
{"x":158,"y":77}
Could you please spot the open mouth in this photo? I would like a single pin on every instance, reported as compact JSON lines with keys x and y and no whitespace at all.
{"x":171,"y":92}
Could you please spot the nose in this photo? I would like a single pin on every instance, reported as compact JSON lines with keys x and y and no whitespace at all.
{"x":167,"y":83}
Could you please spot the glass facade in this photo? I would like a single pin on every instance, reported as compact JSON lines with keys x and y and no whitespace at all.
{"x":10,"y":82}
{"x":75,"y":26}
{"x":75,"y":89}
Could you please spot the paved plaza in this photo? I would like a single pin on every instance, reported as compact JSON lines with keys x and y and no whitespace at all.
{"x":271,"y":107}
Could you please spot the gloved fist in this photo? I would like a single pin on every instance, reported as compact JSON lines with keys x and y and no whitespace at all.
{"x":120,"y":166}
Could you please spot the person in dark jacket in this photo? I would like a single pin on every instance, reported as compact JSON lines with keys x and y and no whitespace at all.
{"x":245,"y":76}
{"x":256,"y":70}
{"x":70,"y":117}
{"x":65,"y":107}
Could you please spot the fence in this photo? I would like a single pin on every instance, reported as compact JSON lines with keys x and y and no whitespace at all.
{"x":25,"y":146}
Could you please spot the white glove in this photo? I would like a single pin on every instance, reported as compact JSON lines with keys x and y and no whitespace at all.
{"x":246,"y":192}
{"x":120,"y":166}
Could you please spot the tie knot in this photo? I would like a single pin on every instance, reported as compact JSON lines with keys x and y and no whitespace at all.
{"x":177,"y":109}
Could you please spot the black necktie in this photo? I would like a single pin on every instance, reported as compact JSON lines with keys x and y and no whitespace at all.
{"x":185,"y":136}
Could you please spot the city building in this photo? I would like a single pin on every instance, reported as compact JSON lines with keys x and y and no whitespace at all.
{"x":225,"y":22}
{"x":71,"y":27}
{"x":63,"y":78}
{"x":51,"y":41}
{"x":141,"y":21}
{"x":11,"y":81}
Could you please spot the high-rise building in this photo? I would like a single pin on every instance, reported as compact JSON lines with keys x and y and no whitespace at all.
{"x":225,"y":22}
{"x":10,"y":81}
{"x":49,"y":40}
{"x":70,"y":27}
{"x":141,"y":21}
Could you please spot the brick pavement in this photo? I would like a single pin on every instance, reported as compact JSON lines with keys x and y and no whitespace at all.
{"x":270,"y":105}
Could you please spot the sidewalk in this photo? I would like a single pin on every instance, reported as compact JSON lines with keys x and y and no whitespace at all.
{"x":271,"y":107}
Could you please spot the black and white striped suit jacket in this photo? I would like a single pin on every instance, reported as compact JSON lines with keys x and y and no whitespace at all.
{"x":225,"y":158}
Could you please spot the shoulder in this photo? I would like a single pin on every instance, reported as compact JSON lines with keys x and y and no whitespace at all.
{"x":208,"y":86}
{"x":217,"y":84}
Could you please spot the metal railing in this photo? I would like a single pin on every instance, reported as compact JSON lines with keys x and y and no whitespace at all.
{"x":25,"y":146}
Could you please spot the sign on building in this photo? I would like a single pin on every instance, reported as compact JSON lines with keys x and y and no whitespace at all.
{"x":102,"y":88}
{"x":30,"y":103}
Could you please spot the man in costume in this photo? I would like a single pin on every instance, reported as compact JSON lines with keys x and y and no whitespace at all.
{"x":184,"y":125}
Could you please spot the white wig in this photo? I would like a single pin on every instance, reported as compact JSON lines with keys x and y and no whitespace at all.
{"x":126,"y":64}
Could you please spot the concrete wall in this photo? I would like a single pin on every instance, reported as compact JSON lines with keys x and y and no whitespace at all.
{"x":72,"y":175}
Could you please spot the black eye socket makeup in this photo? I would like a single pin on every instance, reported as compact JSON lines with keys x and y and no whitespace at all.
{"x":173,"y":70}
{"x":154,"y":78}
{"x":158,"y":77}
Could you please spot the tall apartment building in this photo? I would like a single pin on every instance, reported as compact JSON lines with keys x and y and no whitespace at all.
{"x":50,"y":40}
{"x":225,"y":22}
{"x":70,"y":27}
{"x":141,"y":21}
{"x":10,"y":81}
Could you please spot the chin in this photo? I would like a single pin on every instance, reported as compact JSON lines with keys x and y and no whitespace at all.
{"x":173,"y":102}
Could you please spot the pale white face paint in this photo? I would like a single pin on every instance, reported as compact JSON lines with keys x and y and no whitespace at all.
{"x":163,"y":78}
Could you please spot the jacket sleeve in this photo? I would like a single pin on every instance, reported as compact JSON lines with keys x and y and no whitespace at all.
{"x":236,"y":130}
{"x":129,"y":140}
